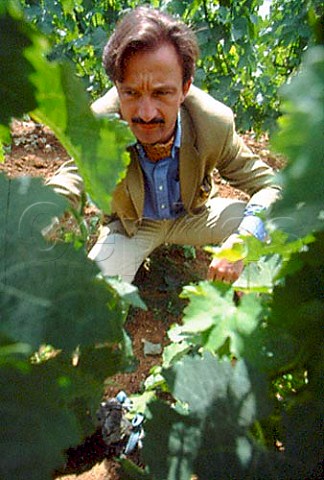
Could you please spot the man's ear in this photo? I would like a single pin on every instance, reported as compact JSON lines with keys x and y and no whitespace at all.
{"x":186,"y":87}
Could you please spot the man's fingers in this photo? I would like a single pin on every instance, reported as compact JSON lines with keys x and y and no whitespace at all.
{"x":224,"y":270}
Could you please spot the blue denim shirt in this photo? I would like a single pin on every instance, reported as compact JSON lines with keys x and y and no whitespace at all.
{"x":162,"y":183}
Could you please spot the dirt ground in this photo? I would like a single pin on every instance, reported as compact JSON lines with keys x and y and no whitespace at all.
{"x":36,"y":152}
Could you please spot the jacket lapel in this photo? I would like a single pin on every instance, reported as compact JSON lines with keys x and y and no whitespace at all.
{"x":135,"y":181}
{"x":189,"y":161}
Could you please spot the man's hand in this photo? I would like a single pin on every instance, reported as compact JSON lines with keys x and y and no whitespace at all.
{"x":224,"y":270}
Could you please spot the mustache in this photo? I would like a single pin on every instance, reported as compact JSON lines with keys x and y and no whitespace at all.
{"x":154,"y":121}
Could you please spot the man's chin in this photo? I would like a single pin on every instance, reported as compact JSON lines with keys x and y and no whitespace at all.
{"x":148,"y":139}
{"x":149,"y":134}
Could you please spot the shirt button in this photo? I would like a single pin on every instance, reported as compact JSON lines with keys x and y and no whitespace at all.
{"x":160,"y":188}
{"x":162,"y":206}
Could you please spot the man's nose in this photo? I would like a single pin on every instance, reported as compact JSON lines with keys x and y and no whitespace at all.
{"x":146,"y":109}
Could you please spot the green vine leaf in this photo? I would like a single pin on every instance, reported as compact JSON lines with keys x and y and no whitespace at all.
{"x":212,"y":319}
{"x":53,"y":95}
{"x":298,"y":304}
{"x":17,"y":93}
{"x":127,"y":292}
{"x":45,"y":286}
{"x":301,"y":211}
{"x":96,"y":145}
{"x":35,"y":425}
{"x":223,"y":404}
{"x":260,"y":276}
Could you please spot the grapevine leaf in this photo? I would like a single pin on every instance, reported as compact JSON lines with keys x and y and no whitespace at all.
{"x":140,"y":401}
{"x":176,"y":443}
{"x":298,"y":305}
{"x":84,"y":378}
{"x":2,"y":157}
{"x":212,"y":312}
{"x":78,"y":393}
{"x":278,"y":245}
{"x":259,"y":276}
{"x":270,"y":348}
{"x":237,"y":252}
{"x":68,"y":7}
{"x":174,"y":351}
{"x":217,"y":379}
{"x":155,"y":380}
{"x":102,"y":361}
{"x":195,"y":316}
{"x":96,"y":145}
{"x":301,"y":209}
{"x":127,"y":292}
{"x":16,"y":91}
{"x":223,"y":404}
{"x":242,"y":330}
{"x":45,"y":288}
{"x":35,"y":425}
{"x":298,"y":308}
{"x":53,"y":94}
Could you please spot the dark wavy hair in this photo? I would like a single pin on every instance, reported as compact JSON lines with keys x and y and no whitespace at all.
{"x":145,"y":29}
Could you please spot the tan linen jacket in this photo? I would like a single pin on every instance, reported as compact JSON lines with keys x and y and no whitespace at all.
{"x":208,"y":142}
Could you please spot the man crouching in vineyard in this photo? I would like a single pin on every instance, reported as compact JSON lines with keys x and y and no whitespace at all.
{"x":183,"y":135}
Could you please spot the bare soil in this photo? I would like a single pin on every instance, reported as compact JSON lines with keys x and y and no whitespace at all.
{"x":35,"y":151}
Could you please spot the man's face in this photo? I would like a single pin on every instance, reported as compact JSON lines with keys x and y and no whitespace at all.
{"x":151,"y":93}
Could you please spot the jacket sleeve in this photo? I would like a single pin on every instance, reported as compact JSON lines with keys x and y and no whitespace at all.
{"x":222,"y":148}
{"x":245,"y":170}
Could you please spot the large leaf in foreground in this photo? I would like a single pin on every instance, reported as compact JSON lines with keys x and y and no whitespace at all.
{"x":35,"y":425}
{"x":47,"y":408}
{"x":52,"y":93}
{"x":298,"y":307}
{"x":49,"y":293}
{"x":301,"y":139}
{"x":212,"y":440}
{"x":16,"y":92}
{"x":298,"y":304}
{"x":97,"y":145}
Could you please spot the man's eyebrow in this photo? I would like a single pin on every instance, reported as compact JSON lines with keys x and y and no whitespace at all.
{"x":162,"y":86}
{"x":123,"y":86}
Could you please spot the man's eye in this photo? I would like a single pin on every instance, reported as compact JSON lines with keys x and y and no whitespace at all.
{"x":162,"y":93}
{"x":129,"y":93}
